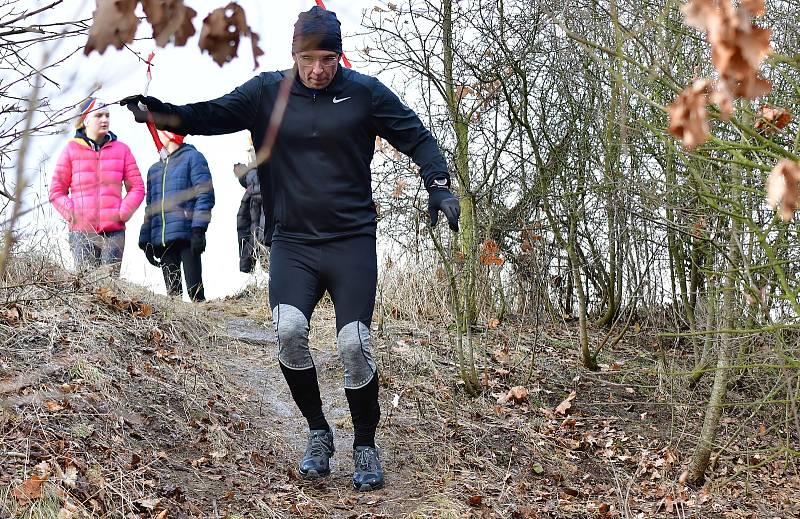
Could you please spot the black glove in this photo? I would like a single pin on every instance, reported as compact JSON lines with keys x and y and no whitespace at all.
{"x":198,"y":243}
{"x":442,"y":199}
{"x":155,"y":108}
{"x":149,"y":253}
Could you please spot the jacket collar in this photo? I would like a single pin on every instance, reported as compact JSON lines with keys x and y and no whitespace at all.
{"x":83,"y":139}
{"x":335,"y":87}
{"x":181,"y":149}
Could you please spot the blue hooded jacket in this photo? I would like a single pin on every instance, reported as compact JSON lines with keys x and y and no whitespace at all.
{"x":180,"y":196}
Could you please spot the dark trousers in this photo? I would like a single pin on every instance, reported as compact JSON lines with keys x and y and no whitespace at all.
{"x":177,"y":254}
{"x":300,"y":273}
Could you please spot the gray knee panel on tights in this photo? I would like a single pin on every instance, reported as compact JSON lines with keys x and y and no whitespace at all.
{"x":353,"y":344}
{"x":291,"y":327}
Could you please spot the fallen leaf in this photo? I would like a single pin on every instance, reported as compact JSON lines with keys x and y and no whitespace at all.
{"x":517,"y":394}
{"x":114,"y":22}
{"x":566,"y":403}
{"x":143,"y":310}
{"x":68,"y":510}
{"x":29,"y":490}
{"x":70,"y":477}
{"x":12,"y":315}
{"x":149,"y":504}
{"x":493,"y":323}
{"x":52,"y":406}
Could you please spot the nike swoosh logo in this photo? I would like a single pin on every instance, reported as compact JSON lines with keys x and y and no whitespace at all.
{"x":340,"y":100}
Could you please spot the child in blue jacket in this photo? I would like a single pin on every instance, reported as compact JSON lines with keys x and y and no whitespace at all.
{"x":180,"y":196}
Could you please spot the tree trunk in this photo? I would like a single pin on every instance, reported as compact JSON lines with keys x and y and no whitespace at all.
{"x":708,"y":434}
{"x":468,"y":228}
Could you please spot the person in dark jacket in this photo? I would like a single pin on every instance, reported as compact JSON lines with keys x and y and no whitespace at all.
{"x":180,"y":197}
{"x":251,"y":225}
{"x":315,"y":155}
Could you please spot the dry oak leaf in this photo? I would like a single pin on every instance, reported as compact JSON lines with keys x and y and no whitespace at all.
{"x":462,"y":91}
{"x":696,"y":13}
{"x":53,"y":406}
{"x":12,"y":315}
{"x":772,"y":118}
{"x":723,"y":97}
{"x":517,"y":394}
{"x":221,"y":32}
{"x":688,"y":118}
{"x":490,"y":252}
{"x":754,"y":7}
{"x":566,"y":403}
{"x":113,"y":23}
{"x":782,"y":188}
{"x":31,"y":489}
{"x":171,"y":20}
{"x":737,"y":45}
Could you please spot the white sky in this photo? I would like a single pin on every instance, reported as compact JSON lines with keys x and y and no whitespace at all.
{"x":180,"y":75}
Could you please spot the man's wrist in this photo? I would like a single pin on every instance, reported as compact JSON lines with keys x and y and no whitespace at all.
{"x":439,"y":183}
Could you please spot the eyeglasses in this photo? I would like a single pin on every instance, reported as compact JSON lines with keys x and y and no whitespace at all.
{"x":325,"y":61}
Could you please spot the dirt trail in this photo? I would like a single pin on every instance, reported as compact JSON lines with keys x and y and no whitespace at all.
{"x":252,"y":367}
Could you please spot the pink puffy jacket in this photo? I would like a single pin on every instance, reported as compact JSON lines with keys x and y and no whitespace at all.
{"x":87,"y":186}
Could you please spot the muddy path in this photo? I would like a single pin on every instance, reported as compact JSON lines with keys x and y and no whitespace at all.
{"x":250,"y":365}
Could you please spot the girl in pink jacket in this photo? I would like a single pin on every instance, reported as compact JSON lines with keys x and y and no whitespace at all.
{"x":87,"y":189}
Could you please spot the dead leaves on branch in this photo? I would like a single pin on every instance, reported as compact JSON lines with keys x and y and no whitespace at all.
{"x":222,"y":30}
{"x":738,"y":47}
{"x":490,"y":253}
{"x":114,"y":23}
{"x":782,"y":188}
{"x":171,"y":21}
{"x":688,"y":118}
{"x":771,"y":119}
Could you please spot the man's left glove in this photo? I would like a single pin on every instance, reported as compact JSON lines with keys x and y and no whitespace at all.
{"x":198,"y":243}
{"x":443,"y":200}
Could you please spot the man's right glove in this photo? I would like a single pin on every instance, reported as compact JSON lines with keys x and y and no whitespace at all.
{"x":149,"y":253}
{"x":154,"y":108}
{"x":443,"y":200}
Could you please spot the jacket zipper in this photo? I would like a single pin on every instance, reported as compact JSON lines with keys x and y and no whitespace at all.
{"x":163,"y":196}
{"x":97,"y":224}
{"x":314,"y":114}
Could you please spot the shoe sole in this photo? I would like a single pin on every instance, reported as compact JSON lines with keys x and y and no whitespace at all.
{"x":368,"y":488}
{"x":313,"y":474}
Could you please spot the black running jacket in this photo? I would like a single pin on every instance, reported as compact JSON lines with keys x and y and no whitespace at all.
{"x":319,"y":169}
